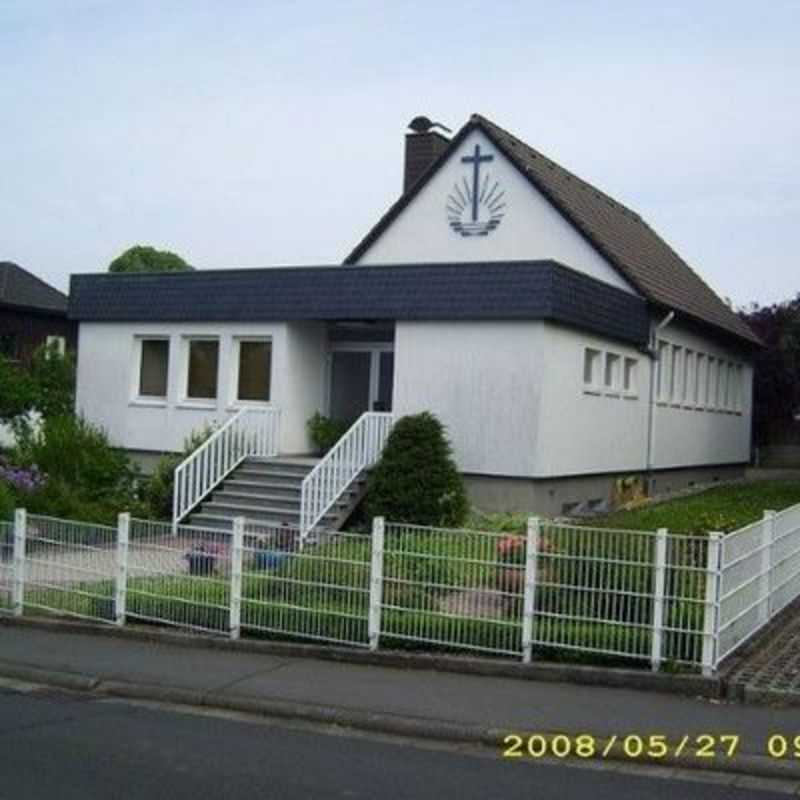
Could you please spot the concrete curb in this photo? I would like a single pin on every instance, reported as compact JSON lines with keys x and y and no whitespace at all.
{"x":375,"y":722}
{"x":612,"y":677}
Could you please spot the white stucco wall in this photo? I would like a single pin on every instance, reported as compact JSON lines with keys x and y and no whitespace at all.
{"x":582,"y":429}
{"x":685,"y":436}
{"x":108,"y":370}
{"x":531,"y":228}
{"x":483,"y":380}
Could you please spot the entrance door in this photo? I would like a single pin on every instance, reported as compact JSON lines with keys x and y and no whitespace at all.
{"x":360,"y":380}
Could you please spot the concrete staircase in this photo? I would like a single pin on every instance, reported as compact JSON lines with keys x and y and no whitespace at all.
{"x":267,"y":491}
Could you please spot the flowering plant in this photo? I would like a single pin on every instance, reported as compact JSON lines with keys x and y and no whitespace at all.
{"x":511,"y":550}
{"x":26,"y":480}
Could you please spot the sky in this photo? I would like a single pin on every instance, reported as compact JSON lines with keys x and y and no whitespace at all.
{"x":252,"y":134}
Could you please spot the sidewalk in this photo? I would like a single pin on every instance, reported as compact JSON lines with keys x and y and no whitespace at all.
{"x":417,"y":702}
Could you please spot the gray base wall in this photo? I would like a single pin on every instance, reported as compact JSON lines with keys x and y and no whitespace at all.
{"x":557,"y":496}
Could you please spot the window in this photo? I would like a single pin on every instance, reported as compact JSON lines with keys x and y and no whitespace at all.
{"x":255,"y":370}
{"x":739,"y":399}
{"x":688,"y":379}
{"x":676,"y":376}
{"x":591,"y":368}
{"x":722,"y":385}
{"x":153,"y":368}
{"x":700,"y":381}
{"x":711,"y":384}
{"x":611,"y":378}
{"x":8,"y":346}
{"x":57,"y":342}
{"x":629,"y":376}
{"x":201,"y":382}
{"x":663,"y":371}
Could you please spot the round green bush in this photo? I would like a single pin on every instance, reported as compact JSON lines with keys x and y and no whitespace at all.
{"x":416,"y":481}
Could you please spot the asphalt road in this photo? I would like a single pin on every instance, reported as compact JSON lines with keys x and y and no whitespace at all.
{"x":59,"y":746}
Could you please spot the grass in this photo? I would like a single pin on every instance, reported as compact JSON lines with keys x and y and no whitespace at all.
{"x":722,"y":508}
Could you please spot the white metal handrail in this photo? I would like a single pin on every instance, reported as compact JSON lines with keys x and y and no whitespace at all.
{"x":250,"y":432}
{"x":356,"y":451}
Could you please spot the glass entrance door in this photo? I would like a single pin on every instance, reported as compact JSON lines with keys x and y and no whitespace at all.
{"x":360,"y":380}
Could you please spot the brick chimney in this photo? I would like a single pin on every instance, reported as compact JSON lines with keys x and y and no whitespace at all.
{"x":423,"y":146}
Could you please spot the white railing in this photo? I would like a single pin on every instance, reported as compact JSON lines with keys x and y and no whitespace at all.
{"x":356,"y":451}
{"x":251,"y":432}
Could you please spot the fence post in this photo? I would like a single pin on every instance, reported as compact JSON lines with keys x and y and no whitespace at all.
{"x":710,"y":606}
{"x":18,"y":582}
{"x":376,"y":582}
{"x":121,"y":585}
{"x":659,"y":583}
{"x":531,"y":551}
{"x":767,"y":539}
{"x":237,"y":559}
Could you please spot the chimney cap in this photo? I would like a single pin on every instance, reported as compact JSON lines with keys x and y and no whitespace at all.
{"x":423,"y":124}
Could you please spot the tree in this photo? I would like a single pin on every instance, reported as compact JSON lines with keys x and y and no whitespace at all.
{"x":142,"y":258}
{"x":776,"y":389}
{"x":416,"y":480}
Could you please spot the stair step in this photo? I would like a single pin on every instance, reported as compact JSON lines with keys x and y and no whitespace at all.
{"x":252,"y":474}
{"x":230,"y":496}
{"x":300,"y":470}
{"x":262,"y":487}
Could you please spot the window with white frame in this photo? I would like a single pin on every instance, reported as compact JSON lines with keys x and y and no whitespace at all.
{"x":58,"y":343}
{"x":711,"y":384}
{"x":254,"y":370}
{"x":700,"y":381}
{"x":689,"y":378}
{"x":592,"y":360}
{"x":153,"y":368}
{"x":663,"y":371}
{"x":722,"y":385}
{"x":629,"y":385}
{"x":611,"y":374}
{"x":676,"y":376}
{"x":738,"y":397}
{"x":203,"y":369}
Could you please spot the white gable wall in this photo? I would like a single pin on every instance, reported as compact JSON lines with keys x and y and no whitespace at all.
{"x":531,"y":228}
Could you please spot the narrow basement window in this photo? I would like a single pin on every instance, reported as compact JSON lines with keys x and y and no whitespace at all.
{"x":629,"y":376}
{"x":612,"y":373}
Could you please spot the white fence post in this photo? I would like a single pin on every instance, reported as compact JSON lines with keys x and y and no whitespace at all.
{"x":767,"y":540}
{"x":659,"y":582}
{"x":18,"y":581}
{"x":237,"y":559}
{"x":532,"y":538}
{"x":376,"y":582}
{"x":711,"y":604}
{"x":121,"y":585}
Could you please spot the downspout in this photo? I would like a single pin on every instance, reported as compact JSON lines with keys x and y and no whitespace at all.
{"x":652,"y":351}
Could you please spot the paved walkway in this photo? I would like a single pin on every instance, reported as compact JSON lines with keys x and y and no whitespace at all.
{"x":435,"y":697}
{"x":771,"y":664}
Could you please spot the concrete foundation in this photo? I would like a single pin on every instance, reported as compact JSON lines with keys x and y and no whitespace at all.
{"x":586,"y":493}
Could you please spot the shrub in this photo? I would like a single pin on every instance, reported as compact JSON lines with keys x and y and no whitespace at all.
{"x":416,"y":480}
{"x":160,"y":487}
{"x":325,"y":432}
{"x":7,"y":504}
{"x":78,"y":454}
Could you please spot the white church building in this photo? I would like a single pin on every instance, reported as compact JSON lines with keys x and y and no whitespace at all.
{"x":562,"y":342}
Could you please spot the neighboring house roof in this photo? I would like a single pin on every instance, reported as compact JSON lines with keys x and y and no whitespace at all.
{"x":463,"y":291}
{"x":616,"y":232}
{"x":18,"y":287}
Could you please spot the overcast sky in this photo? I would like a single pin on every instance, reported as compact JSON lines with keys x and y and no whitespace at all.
{"x":261,"y":133}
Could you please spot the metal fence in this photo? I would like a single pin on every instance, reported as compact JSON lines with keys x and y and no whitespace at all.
{"x":319,"y":591}
{"x":651,"y":596}
{"x":451,"y":588}
{"x":6,"y":567}
{"x":759,"y":576}
{"x":178,"y":575}
{"x":69,"y":567}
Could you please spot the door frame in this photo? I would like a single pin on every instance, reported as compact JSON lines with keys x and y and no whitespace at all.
{"x":374,"y":349}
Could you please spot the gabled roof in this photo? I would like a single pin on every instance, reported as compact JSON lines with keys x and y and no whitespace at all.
{"x":519,"y":290}
{"x":18,"y":287}
{"x":616,"y":232}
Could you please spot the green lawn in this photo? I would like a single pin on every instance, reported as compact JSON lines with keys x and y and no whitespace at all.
{"x":724,"y":508}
